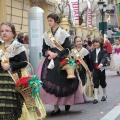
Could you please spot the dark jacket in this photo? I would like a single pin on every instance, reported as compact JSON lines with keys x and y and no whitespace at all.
{"x":102,"y":57}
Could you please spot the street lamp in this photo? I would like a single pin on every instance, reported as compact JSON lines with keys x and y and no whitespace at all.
{"x":102,"y":8}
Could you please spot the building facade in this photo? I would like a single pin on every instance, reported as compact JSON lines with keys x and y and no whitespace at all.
{"x":16,"y":11}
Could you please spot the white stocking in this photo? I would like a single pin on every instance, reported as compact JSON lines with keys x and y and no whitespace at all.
{"x":56,"y":107}
{"x":96,"y":93}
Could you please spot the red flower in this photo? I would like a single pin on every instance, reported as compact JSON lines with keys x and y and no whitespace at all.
{"x":23,"y":82}
{"x":63,"y":62}
{"x":78,"y":62}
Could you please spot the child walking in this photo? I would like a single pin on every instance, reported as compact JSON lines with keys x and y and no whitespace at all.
{"x":115,"y":58}
{"x":84,"y":54}
{"x":98,"y":59}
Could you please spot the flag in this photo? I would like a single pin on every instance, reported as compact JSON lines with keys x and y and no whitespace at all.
{"x":89,"y":14}
{"x":74,"y":7}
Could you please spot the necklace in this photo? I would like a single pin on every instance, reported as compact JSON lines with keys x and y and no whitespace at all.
{"x":6,"y":46}
{"x":78,"y":49}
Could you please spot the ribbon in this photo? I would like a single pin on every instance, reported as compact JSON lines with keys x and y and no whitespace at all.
{"x":35,"y":83}
{"x":71,"y":62}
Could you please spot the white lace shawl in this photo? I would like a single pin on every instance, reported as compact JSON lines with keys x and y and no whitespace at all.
{"x":83,"y":52}
{"x":14,"y":49}
{"x":60,"y":37}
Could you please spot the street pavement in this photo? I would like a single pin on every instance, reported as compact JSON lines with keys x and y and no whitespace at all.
{"x":88,"y":110}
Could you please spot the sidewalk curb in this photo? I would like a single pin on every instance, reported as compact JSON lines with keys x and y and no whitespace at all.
{"x":114,"y":114}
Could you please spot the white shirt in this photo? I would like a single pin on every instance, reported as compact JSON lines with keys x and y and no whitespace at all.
{"x":110,"y":33}
{"x":97,"y":52}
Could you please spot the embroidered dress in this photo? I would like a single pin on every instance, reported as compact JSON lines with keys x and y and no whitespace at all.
{"x":115,"y":59}
{"x":56,"y":89}
{"x":11,"y":101}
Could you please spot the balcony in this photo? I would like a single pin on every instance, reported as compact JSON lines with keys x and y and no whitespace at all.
{"x":110,"y":9}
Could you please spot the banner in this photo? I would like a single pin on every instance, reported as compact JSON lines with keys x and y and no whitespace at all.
{"x":89,"y":14}
{"x":74,"y":7}
{"x":115,"y":16}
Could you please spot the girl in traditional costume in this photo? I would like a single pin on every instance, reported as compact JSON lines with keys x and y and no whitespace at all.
{"x":11,"y":101}
{"x":57,"y":90}
{"x":84,"y":53}
{"x":12,"y":58}
{"x":98,"y":59}
{"x":115,"y":57}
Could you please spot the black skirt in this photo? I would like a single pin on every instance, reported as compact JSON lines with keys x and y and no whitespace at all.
{"x":55,"y":80}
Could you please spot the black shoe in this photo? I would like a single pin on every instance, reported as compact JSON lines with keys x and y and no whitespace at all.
{"x":55,"y":113}
{"x":118,"y":73}
{"x":95,"y":101}
{"x":104,"y":98}
{"x":67,"y":107}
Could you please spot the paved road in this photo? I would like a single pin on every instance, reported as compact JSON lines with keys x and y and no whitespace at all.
{"x":90,"y":111}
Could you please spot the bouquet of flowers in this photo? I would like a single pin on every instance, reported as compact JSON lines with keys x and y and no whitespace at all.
{"x":69,"y":64}
{"x":22,"y":83}
{"x":29,"y":87}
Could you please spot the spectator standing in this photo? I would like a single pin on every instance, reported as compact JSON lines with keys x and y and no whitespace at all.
{"x":20,"y":37}
{"x":107,"y":46}
{"x":26,"y":39}
{"x":110,"y":34}
{"x":90,"y":44}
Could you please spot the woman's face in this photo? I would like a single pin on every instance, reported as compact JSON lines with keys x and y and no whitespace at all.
{"x":96,"y":44}
{"x":51,"y":22}
{"x":6,"y":33}
{"x":78,"y":42}
{"x":117,"y":42}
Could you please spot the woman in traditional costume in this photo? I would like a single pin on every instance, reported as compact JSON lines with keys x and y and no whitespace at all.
{"x":11,"y":101}
{"x":84,"y":54}
{"x":12,"y":57}
{"x":57,"y":90}
{"x":115,"y":57}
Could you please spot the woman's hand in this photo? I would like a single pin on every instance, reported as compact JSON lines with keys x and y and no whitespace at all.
{"x":5,"y":66}
{"x":52,"y":55}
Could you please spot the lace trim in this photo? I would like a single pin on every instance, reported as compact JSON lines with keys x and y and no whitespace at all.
{"x":14,"y":49}
{"x":83,"y":52}
{"x":59,"y":91}
{"x":60,"y":37}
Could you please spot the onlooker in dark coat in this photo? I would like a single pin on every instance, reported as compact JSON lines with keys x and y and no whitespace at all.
{"x":20,"y":37}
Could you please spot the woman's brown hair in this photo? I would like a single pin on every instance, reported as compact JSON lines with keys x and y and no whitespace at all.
{"x":77,"y":37}
{"x":55,"y":17}
{"x":11,"y":26}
